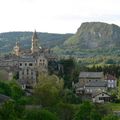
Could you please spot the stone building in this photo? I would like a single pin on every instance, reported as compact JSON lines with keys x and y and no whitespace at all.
{"x":27,"y":71}
{"x":28,"y":63}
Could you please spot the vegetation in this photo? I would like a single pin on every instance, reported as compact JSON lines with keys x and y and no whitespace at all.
{"x":54,"y":99}
{"x":8,"y":40}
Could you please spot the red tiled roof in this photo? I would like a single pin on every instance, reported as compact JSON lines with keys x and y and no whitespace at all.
{"x":110,"y":77}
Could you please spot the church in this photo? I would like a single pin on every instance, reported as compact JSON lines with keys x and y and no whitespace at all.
{"x":27,"y":64}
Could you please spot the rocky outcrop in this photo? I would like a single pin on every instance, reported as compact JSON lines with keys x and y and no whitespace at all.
{"x":93,"y":35}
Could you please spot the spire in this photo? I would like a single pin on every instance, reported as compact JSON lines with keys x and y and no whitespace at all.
{"x":34,"y":46}
{"x":35,"y":35}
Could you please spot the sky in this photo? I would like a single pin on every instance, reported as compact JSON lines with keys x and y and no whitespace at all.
{"x":56,"y":16}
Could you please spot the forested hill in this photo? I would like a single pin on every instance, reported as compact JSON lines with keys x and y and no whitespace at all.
{"x":91,"y":35}
{"x":8,"y":40}
{"x":93,"y":39}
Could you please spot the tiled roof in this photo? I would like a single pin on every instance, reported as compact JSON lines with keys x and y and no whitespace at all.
{"x":91,"y":74}
{"x":110,"y":77}
{"x":27,"y":59}
{"x":96,"y":84}
{"x":3,"y":98}
{"x":95,"y":94}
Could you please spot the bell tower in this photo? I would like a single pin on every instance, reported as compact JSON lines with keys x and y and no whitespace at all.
{"x":34,"y":46}
{"x":16,"y":49}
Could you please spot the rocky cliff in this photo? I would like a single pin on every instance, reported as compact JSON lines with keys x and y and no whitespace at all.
{"x":92,"y":35}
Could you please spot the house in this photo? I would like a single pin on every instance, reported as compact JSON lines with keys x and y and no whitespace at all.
{"x":95,"y":86}
{"x":90,"y":84}
{"x":90,"y":81}
{"x":101,"y":97}
{"x":27,"y":73}
{"x":111,"y":81}
{"x":85,"y":77}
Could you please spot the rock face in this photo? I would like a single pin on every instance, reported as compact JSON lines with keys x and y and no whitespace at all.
{"x":93,"y":35}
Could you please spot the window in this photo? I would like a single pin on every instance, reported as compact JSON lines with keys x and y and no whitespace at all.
{"x":101,"y":98}
{"x":30,"y":64}
{"x":25,"y":64}
{"x":20,"y":64}
{"x":27,"y":71}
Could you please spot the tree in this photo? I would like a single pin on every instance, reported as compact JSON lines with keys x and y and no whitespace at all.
{"x":16,"y":90}
{"x":118,"y":89}
{"x":9,"y":111}
{"x":87,"y":111}
{"x":68,"y":71}
{"x":111,"y":117}
{"x":69,"y":96}
{"x":5,"y":88}
{"x":65,"y":111}
{"x":36,"y":114}
{"x":47,"y":90}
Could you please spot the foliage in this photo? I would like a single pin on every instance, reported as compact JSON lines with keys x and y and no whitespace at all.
{"x":87,"y":111}
{"x":65,"y":111}
{"x":8,"y":40}
{"x":69,"y":96}
{"x":111,"y":117}
{"x":16,"y":90}
{"x":37,"y":114}
{"x":11,"y":111}
{"x":5,"y":88}
{"x":47,"y":90}
{"x":69,"y":71}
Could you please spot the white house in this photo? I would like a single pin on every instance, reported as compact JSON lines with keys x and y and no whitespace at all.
{"x":101,"y":97}
{"x":111,"y":81}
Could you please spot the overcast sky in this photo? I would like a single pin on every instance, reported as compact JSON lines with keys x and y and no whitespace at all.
{"x":55,"y":16}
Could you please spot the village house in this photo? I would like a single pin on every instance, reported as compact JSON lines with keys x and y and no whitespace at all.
{"x":111,"y":81}
{"x":101,"y":97}
{"x":90,"y":84}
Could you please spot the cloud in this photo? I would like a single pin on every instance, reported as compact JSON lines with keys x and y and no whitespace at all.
{"x":56,"y":15}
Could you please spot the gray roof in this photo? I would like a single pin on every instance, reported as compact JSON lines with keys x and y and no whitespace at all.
{"x":4,"y":98}
{"x":77,"y":85}
{"x":96,"y":84}
{"x":27,"y":59}
{"x":91,"y":74}
{"x":98,"y":93}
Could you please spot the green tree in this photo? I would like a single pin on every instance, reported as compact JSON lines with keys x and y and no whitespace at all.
{"x":47,"y":90}
{"x":8,"y":111}
{"x":65,"y":111}
{"x":36,"y":114}
{"x":16,"y":90}
{"x":5,"y":88}
{"x":68,"y":71}
{"x":111,"y":117}
{"x":87,"y":111}
{"x":69,"y":96}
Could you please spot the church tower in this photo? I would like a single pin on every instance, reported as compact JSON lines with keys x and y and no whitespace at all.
{"x":16,"y":49}
{"x":34,"y":46}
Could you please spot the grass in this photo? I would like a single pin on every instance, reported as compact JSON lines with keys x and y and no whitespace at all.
{"x":114,"y":106}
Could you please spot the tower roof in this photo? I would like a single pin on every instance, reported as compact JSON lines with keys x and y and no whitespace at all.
{"x":35,"y":35}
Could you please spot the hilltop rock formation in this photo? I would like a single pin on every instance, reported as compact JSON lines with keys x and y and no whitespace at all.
{"x":92,"y":35}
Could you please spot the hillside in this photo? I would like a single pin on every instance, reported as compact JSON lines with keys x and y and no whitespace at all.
{"x":93,"y":35}
{"x":8,"y":40}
